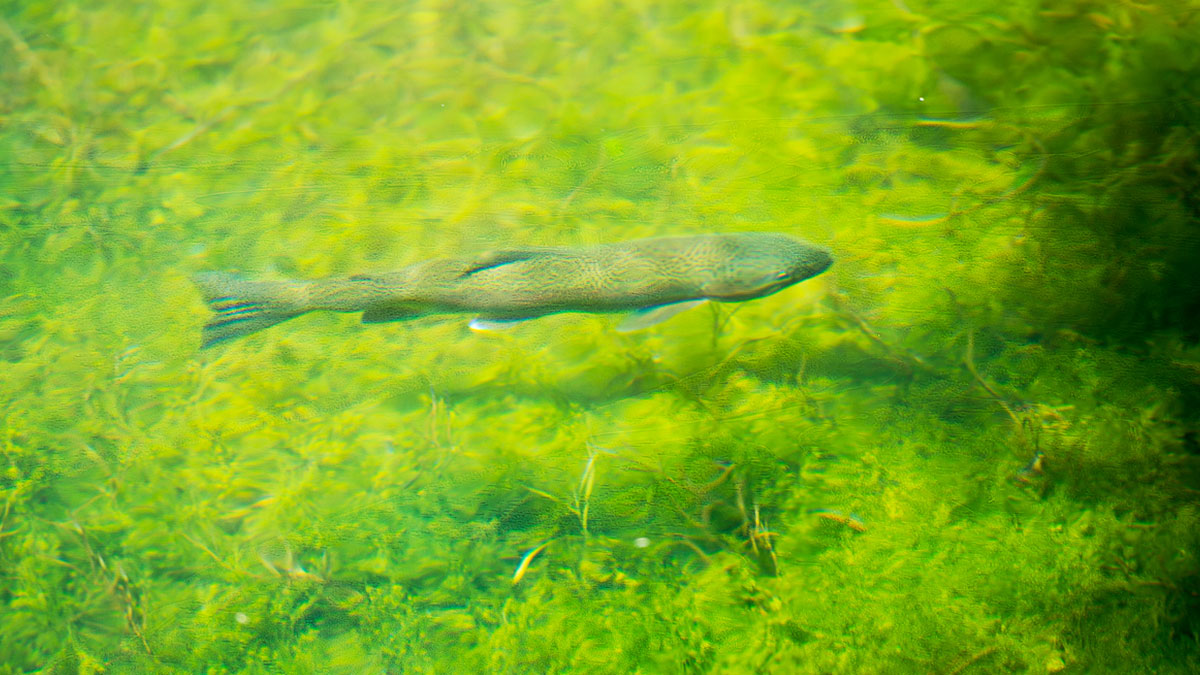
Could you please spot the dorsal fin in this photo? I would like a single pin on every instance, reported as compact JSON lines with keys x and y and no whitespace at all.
{"x":506,"y":256}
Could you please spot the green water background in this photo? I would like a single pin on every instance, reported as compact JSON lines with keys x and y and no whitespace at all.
{"x":971,"y":446}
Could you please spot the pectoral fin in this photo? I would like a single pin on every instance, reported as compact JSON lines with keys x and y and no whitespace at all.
{"x":644,"y":318}
{"x":489,"y":325}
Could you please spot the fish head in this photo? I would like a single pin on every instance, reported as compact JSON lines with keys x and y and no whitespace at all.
{"x":757,"y":264}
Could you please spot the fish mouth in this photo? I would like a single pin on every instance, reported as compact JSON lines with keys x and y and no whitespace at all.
{"x":823,"y":262}
{"x":813,"y":263}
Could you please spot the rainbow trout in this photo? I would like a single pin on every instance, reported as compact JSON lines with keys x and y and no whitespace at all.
{"x":652,"y":278}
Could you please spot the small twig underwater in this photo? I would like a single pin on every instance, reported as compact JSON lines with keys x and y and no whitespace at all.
{"x":721,"y":322}
{"x":528,"y":558}
{"x":118,"y":582}
{"x":583,"y":493}
{"x":900,"y":355}
{"x":601,"y":162}
{"x":972,"y":660}
{"x":580,"y":506}
{"x":969,"y":363}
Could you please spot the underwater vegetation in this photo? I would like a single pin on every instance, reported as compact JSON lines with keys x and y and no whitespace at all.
{"x":972,"y":445}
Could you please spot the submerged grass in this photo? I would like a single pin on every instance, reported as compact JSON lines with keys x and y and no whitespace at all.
{"x":969,"y":447}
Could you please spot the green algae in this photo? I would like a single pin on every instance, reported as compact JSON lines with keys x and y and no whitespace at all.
{"x":838,"y":479}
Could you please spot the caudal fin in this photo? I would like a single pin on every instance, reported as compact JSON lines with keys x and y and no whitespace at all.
{"x":242,"y":306}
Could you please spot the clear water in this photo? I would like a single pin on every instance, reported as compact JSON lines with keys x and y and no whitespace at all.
{"x":969,"y":446}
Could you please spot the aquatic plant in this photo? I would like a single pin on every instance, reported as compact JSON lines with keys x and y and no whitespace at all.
{"x":970,"y":447}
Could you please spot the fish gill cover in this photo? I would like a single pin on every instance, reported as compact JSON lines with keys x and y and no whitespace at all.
{"x":969,"y":446}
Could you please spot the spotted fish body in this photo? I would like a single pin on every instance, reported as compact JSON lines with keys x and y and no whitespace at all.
{"x":525,"y":283}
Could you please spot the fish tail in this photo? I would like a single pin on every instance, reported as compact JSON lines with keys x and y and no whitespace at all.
{"x":242,"y":306}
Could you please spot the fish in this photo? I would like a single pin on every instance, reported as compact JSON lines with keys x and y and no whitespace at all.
{"x":652,"y":279}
